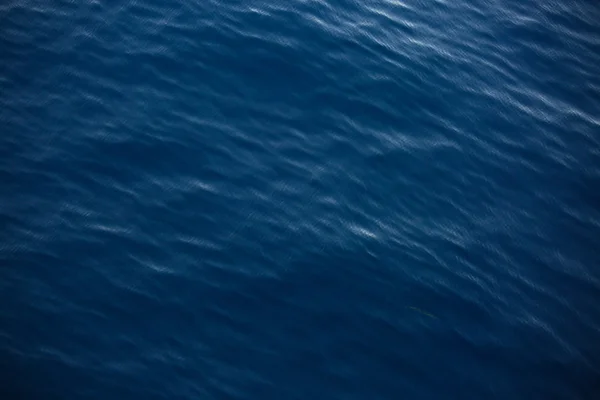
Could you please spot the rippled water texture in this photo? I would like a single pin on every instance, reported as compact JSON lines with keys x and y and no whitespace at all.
{"x":300,"y":199}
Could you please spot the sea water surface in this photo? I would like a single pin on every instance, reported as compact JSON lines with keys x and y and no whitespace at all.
{"x":300,"y":199}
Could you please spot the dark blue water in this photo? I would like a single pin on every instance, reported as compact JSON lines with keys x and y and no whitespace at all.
{"x":300,"y":199}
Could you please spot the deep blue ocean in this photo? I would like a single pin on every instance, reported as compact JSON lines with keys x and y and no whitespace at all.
{"x":300,"y":199}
